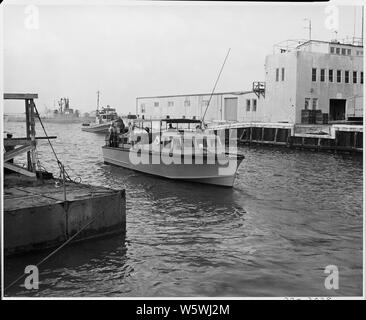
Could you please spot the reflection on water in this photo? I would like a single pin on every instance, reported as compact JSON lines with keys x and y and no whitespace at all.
{"x":289,"y":215}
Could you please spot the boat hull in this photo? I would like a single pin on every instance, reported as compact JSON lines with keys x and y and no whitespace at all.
{"x":192,"y":172}
{"x":100,"y":128}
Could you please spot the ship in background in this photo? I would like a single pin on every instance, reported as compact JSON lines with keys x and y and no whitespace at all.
{"x":65,"y":114}
{"x":62,"y":114}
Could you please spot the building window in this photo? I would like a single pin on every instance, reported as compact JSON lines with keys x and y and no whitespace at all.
{"x":307,"y":102}
{"x":283,"y":74}
{"x":170,"y":103}
{"x":354,"y":76}
{"x":346,"y":76}
{"x":142,"y":107}
{"x":331,"y":49}
{"x":338,"y":50}
{"x":277,"y":74}
{"x":330,"y":75}
{"x":315,"y":103}
{"x":313,"y":75}
{"x":344,"y":51}
{"x":322,"y":75}
{"x":349,"y":52}
{"x":254,"y":103}
{"x":361,"y":79}
{"x":248,"y":104}
{"x":339,"y":75}
{"x":187,"y":103}
{"x":156,"y":104}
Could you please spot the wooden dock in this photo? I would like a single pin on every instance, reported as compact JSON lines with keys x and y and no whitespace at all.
{"x":36,"y":215}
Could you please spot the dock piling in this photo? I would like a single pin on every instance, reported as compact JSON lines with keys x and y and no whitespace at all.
{"x":333,"y":138}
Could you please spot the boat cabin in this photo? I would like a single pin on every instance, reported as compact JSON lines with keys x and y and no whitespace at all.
{"x":107,"y":114}
{"x":184,"y":136}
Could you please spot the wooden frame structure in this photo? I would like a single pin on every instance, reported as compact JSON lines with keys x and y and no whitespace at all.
{"x":27,"y":144}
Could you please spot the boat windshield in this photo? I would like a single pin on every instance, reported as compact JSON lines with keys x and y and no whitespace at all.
{"x":188,"y":143}
{"x":210,"y":143}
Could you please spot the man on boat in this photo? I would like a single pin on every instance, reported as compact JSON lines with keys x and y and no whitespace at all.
{"x":110,"y":135}
{"x":120,"y":125}
{"x":115,"y":135}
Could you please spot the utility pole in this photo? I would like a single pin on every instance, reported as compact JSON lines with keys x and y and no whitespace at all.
{"x":362,"y":27}
{"x":309,"y":27}
{"x":354,"y":25}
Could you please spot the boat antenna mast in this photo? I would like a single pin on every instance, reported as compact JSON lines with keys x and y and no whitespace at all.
{"x":213,"y":90}
{"x":98,"y":92}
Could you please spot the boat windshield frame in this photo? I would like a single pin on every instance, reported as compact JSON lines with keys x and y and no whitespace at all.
{"x":182,"y":120}
{"x":168,"y":121}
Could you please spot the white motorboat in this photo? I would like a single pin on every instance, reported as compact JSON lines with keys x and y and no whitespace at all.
{"x":103,"y":120}
{"x":195,"y":155}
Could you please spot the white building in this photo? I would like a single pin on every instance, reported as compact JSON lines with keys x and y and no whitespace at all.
{"x":229,"y":106}
{"x":326,"y":76}
{"x":312,"y":75}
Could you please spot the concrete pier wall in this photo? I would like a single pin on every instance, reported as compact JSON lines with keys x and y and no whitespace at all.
{"x":35,"y":217}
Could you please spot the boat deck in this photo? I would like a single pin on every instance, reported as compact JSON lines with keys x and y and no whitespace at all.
{"x":22,"y":192}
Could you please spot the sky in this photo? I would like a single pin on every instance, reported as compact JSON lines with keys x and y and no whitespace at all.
{"x":148,"y":48}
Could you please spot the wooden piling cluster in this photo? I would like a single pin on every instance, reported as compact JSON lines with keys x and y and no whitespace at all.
{"x":262,"y":135}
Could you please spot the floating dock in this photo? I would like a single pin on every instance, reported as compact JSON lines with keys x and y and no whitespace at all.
{"x":335,"y":137}
{"x":36,"y":216}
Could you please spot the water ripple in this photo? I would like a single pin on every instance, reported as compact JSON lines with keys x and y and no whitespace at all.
{"x":290,"y":214}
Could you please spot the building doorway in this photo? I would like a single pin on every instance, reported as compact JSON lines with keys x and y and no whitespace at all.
{"x":231,"y":109}
{"x":337,"y":109}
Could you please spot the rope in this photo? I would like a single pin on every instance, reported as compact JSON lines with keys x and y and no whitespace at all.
{"x":59,"y":163}
{"x":53,"y":252}
{"x":67,"y":177}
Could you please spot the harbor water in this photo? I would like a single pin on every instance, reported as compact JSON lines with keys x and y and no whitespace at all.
{"x":289,"y":215}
